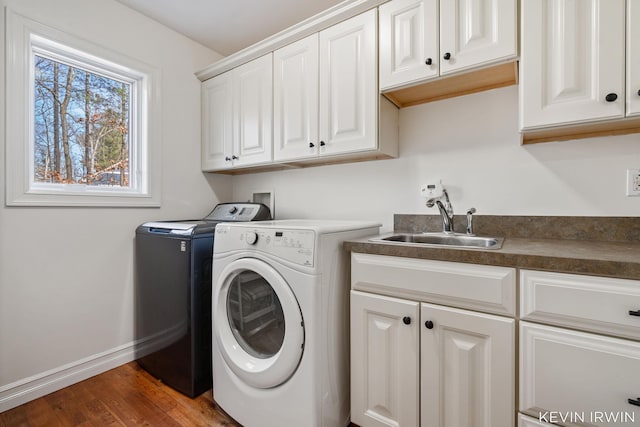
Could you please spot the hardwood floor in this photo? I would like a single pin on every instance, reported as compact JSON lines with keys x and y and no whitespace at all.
{"x":124,"y":396}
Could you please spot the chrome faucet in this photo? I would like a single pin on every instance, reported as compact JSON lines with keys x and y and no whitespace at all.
{"x":446,"y":210}
{"x":470,"y":213}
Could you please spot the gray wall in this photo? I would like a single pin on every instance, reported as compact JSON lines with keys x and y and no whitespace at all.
{"x":471,"y":143}
{"x":66,"y":274}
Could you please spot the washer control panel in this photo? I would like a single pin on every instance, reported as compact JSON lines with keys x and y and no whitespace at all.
{"x":296,"y":246}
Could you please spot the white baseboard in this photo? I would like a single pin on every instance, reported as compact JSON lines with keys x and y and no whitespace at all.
{"x":27,"y":389}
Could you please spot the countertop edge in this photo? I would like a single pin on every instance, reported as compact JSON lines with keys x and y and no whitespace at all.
{"x":578,"y":257}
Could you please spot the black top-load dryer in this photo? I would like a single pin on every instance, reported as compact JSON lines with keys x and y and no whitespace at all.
{"x":173,"y":295}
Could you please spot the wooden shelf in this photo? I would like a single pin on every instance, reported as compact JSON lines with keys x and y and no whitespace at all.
{"x":581,"y":131}
{"x":492,"y":77}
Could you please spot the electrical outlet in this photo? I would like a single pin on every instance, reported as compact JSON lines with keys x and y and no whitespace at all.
{"x":633,"y":182}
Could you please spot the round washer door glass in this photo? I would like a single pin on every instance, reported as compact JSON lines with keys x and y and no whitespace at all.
{"x":258,"y":323}
{"x":255,"y":314}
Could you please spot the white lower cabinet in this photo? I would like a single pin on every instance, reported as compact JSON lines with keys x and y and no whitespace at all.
{"x":570,"y":374}
{"x":467,"y":365}
{"x":415,"y":363}
{"x":577,"y":377}
{"x":384,"y":361}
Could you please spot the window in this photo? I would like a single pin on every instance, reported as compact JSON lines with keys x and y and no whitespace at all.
{"x":79,"y":122}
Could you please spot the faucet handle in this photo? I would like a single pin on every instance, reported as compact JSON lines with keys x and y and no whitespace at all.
{"x":470,"y":213}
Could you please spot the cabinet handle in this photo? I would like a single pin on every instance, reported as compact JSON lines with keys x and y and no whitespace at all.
{"x":227,"y":159}
{"x":322,"y":144}
{"x":428,"y":324}
{"x":429,"y":61}
{"x":235,"y":157}
{"x":611,"y":97}
{"x":638,"y":92}
{"x":406,"y":320}
{"x":311,"y":145}
{"x":634,"y":313}
{"x":635,"y":402}
{"x":447,"y":56}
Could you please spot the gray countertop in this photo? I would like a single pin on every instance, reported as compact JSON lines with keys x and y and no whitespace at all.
{"x":619,"y":259}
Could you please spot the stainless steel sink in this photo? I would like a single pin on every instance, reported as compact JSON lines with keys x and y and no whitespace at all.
{"x":442,"y":240}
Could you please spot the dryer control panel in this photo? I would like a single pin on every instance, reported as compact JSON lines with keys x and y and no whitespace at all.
{"x":296,"y":246}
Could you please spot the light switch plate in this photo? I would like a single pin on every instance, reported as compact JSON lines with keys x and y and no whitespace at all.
{"x":633,"y":182}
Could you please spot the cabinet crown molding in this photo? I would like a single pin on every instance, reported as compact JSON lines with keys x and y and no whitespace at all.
{"x":322,"y":20}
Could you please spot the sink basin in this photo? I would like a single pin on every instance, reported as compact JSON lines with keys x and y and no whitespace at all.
{"x":443,"y":239}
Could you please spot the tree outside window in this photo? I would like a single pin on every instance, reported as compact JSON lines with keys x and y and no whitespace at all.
{"x":81,"y":126}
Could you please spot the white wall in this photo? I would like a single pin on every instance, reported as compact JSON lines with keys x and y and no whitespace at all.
{"x":472,"y":143}
{"x":66,"y":274}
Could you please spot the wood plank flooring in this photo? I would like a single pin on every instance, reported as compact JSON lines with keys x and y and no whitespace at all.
{"x":124,"y":396}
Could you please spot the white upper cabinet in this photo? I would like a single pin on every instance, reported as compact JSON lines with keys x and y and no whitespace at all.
{"x":237,"y":116}
{"x":572,"y":61}
{"x":633,"y":58}
{"x":295,"y":100}
{"x":348,"y":85}
{"x":217,"y":122}
{"x":326,"y":100}
{"x":325,"y":92}
{"x":253,"y":112}
{"x":476,"y":32}
{"x":424,"y":39}
{"x":408,"y":41}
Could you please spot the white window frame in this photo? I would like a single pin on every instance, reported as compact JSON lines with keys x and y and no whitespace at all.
{"x":26,"y":38}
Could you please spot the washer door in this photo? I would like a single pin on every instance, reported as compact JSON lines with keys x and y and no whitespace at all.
{"x":258,"y":323}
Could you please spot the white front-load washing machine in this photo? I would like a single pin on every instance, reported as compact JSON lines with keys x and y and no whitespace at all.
{"x":280,"y":321}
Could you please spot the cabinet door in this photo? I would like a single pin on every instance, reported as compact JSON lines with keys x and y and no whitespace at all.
{"x":295,"y":100}
{"x":253,"y":117}
{"x":572,"y":58}
{"x":467,"y":364}
{"x":408,"y":42}
{"x":475,"y":32}
{"x":577,"y":374}
{"x":217,"y":122}
{"x":384,"y":361}
{"x":349,"y":85}
{"x":633,"y":57}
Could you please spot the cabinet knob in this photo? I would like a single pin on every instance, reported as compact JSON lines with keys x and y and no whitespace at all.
{"x":322,"y":144}
{"x":429,"y":61}
{"x":611,"y":97}
{"x":227,"y":159}
{"x":635,"y":402}
{"x":634,"y":313}
{"x":311,"y":145}
{"x":447,"y":56}
{"x":638,"y":92}
{"x":235,"y":157}
{"x":428,"y":324}
{"x":406,"y":320}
